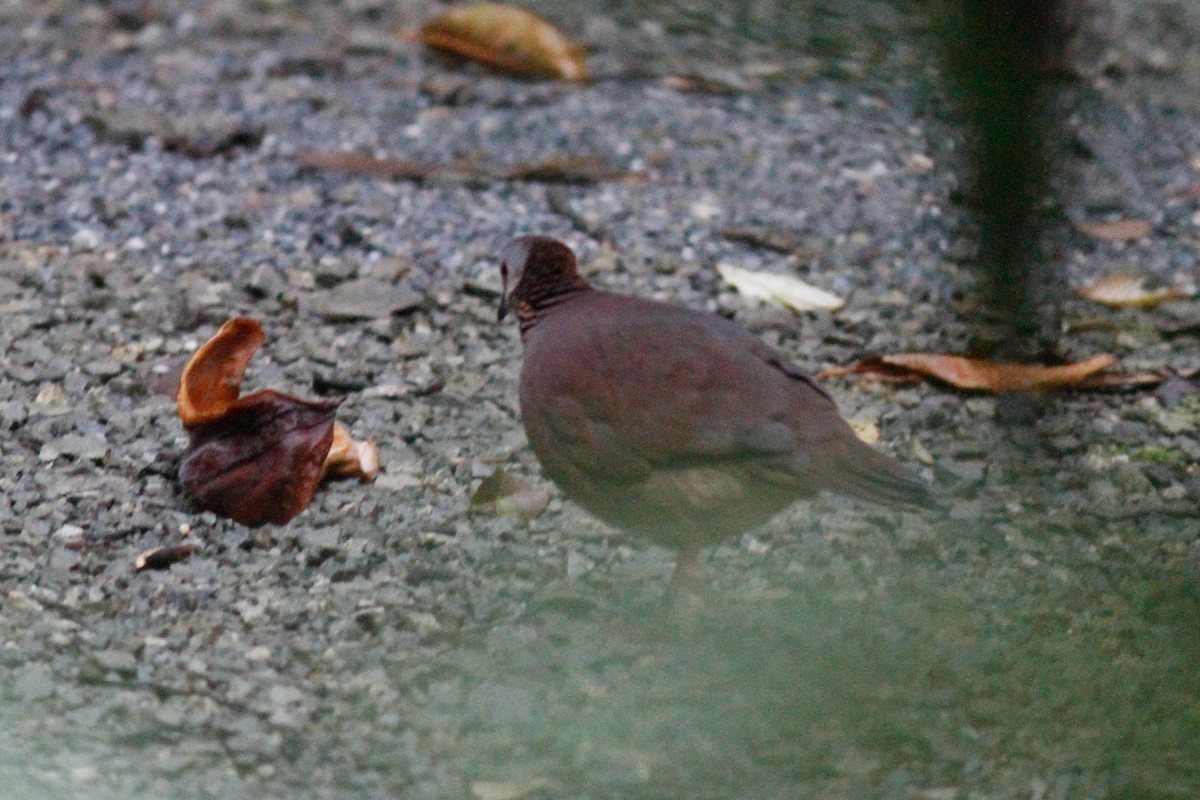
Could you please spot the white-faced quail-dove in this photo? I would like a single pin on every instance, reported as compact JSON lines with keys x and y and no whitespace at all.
{"x":675,"y":425}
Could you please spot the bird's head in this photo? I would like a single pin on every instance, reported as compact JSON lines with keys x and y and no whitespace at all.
{"x":535,"y":271}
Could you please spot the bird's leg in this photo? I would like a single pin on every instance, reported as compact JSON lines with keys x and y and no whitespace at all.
{"x":689,"y":575}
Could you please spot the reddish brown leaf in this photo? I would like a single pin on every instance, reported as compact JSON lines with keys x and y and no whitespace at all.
{"x":260,"y":461}
{"x":1119,"y":231}
{"x":212,"y":380}
{"x":507,"y":38}
{"x":977,"y":374}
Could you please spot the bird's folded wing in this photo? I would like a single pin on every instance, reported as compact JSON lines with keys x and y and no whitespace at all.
{"x":689,"y":395}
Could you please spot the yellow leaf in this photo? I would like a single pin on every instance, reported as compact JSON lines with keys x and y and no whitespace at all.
{"x":508,"y":38}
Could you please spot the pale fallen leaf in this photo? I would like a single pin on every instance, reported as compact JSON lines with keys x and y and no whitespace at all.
{"x":504,"y":493}
{"x":348,"y":458}
{"x":978,"y":374}
{"x":1128,"y":291}
{"x":778,"y":288}
{"x":919,"y":163}
{"x":509,"y":790}
{"x":867,"y":430}
{"x":508,"y":38}
{"x":921,"y":453}
{"x":1119,"y":231}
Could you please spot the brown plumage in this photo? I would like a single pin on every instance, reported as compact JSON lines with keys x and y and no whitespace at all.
{"x":675,"y":425}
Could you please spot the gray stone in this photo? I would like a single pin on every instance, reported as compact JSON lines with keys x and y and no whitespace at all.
{"x":365,"y":299}
{"x":34,"y":681}
{"x":100,"y":663}
{"x":76,"y":446}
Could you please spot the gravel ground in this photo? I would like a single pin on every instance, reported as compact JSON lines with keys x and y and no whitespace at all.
{"x":1039,"y":641}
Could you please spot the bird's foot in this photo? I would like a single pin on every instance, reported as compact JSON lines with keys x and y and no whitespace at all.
{"x":689,"y":582}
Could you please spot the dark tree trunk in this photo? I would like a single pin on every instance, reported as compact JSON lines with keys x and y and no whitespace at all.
{"x":1004,"y":56}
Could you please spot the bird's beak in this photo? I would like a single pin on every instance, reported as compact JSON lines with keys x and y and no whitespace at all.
{"x":502,"y":312}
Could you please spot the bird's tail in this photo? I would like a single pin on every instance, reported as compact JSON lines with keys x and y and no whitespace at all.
{"x":856,"y":469}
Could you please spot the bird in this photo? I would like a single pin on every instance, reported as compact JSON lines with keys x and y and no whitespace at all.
{"x":672,"y":424}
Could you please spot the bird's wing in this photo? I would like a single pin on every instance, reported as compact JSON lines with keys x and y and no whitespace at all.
{"x":646,"y":386}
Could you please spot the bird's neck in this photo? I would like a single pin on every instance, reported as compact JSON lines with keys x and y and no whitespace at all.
{"x":541,"y":301}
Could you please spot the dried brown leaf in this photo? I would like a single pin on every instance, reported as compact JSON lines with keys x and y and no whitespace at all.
{"x":767,"y":237}
{"x":978,"y":374}
{"x":1128,"y":291}
{"x":507,"y":38}
{"x":580,"y":169}
{"x":212,"y":380}
{"x":701,"y":84}
{"x":1119,"y":231}
{"x":162,"y":557}
{"x":261,"y":460}
{"x":385,"y":168}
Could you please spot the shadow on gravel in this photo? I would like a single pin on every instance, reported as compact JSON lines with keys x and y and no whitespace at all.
{"x":860,"y":684}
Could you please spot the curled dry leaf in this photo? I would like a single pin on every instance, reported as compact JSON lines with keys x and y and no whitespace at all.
{"x":162,"y":557}
{"x":212,"y":380}
{"x":351,"y":459}
{"x":258,"y":458}
{"x":777,"y":288}
{"x":508,"y":38}
{"x":977,"y":374}
{"x":503,"y":493}
{"x":1119,"y":231}
{"x":1128,"y":291}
